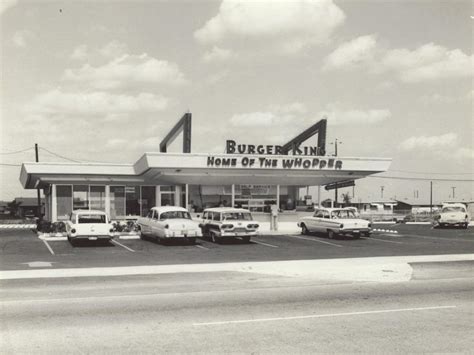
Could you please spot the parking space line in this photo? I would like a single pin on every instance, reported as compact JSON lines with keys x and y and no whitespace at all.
{"x":317,"y":240}
{"x":325,"y":315}
{"x":49,"y":247}
{"x":200,"y":246}
{"x":265,"y":244}
{"x":381,"y":240}
{"x":436,"y":238}
{"x":123,"y":246}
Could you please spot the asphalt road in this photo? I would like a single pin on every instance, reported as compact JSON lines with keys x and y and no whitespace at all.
{"x":19,"y":248}
{"x":225,"y":312}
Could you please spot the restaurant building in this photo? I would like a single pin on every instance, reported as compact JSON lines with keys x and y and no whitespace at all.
{"x":246,"y":175}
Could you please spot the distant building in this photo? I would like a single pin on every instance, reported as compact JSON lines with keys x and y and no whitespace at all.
{"x":27,"y":206}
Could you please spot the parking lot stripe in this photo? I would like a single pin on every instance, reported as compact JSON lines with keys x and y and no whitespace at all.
{"x":123,"y":246}
{"x":200,"y":246}
{"x":265,"y":244}
{"x":326,"y":315}
{"x":317,"y":240}
{"x":48,"y":246}
{"x":435,"y":238}
{"x":381,"y":240}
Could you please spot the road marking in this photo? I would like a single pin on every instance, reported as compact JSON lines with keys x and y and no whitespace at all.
{"x":325,"y":315}
{"x":200,"y":246}
{"x":317,"y":240}
{"x":265,"y":244}
{"x":123,"y":246}
{"x":435,"y":238}
{"x":48,"y":246}
{"x":381,"y":240}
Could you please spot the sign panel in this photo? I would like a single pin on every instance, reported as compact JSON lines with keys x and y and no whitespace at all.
{"x":290,"y":163}
{"x":339,"y":185}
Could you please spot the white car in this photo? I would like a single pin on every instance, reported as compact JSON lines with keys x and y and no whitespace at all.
{"x":169,"y":222}
{"x":453,"y":214}
{"x":90,"y":225}
{"x":221,"y":222}
{"x":335,"y":222}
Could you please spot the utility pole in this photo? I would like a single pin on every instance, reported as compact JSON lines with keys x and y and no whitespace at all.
{"x":454,"y":191}
{"x":381,"y":191}
{"x":431,"y":197}
{"x":38,"y":213}
{"x":335,"y":190}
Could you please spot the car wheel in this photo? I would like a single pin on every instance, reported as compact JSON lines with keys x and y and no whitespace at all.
{"x":246,"y":239}
{"x":304,"y":230}
{"x":330,"y":234}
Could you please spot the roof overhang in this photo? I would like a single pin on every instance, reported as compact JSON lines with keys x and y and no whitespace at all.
{"x":207,"y":169}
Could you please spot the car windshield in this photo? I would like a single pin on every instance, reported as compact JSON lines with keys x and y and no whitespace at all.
{"x":175,"y":214}
{"x":453,"y":209}
{"x":234,"y":216}
{"x":343,"y":214}
{"x":91,"y":218}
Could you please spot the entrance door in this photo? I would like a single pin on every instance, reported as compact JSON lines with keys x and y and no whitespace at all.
{"x":167,"y":195}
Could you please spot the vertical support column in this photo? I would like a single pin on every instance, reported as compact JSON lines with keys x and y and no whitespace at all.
{"x":54,"y":204}
{"x":278,"y":196}
{"x":233,"y":196}
{"x":107,"y":200}
{"x":177,"y":195}
{"x":319,"y":195}
{"x":157,"y":196}
{"x":186,"y":197}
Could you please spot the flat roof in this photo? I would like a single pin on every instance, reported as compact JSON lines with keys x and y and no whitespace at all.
{"x":206,"y":169}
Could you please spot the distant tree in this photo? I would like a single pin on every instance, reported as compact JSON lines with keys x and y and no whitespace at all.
{"x":326,"y":202}
{"x":346,"y":198}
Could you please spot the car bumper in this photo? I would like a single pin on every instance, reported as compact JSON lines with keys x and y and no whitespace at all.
{"x":238,"y":234}
{"x":354,"y":233}
{"x":181,"y":234}
{"x":91,"y":237}
{"x":452,"y":223}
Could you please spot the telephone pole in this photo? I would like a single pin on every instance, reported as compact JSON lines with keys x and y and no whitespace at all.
{"x":38,"y":212}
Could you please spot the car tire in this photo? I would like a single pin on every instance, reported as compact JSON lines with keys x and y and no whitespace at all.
{"x":304,"y":230}
{"x":246,"y":239}
{"x":331,"y":234}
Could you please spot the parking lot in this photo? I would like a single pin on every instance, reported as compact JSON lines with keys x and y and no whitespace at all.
{"x":22,"y":249}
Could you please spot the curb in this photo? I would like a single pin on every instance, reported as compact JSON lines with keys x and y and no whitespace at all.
{"x":385,"y":230}
{"x":17,"y":226}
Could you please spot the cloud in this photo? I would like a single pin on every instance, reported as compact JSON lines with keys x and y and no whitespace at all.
{"x":338,"y":116}
{"x":464,"y":153}
{"x":21,"y":38}
{"x":125,"y":70}
{"x":352,"y":54}
{"x":274,"y":115}
{"x":426,"y":63}
{"x":114,"y":49}
{"x":6,"y":4}
{"x":446,"y":99}
{"x":447,"y":140}
{"x":287,"y":25}
{"x":217,"y":55}
{"x":80,"y":52}
{"x":93,"y":104}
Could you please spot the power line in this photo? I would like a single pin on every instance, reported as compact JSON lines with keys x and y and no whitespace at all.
{"x":418,"y":178}
{"x":6,"y":164}
{"x":18,"y":151}
{"x":59,"y":156}
{"x":416,"y":172}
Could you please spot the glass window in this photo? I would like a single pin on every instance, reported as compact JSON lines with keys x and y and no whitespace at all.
{"x":167,"y":199}
{"x":91,"y":218}
{"x":132,"y":198}
{"x":164,"y":188}
{"x":117,"y":201}
{"x":97,"y":196}
{"x":325,"y":214}
{"x":80,"y":197}
{"x":155,"y":215}
{"x":216,"y":216}
{"x":174,"y":215}
{"x":235,"y":216}
{"x":64,"y":201}
{"x":150,"y":214}
{"x":148,"y":198}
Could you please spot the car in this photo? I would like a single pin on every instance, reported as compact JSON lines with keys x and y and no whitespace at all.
{"x":89,"y":225}
{"x":452,"y":215}
{"x":222,"y":222}
{"x":335,"y":222}
{"x":169,"y":222}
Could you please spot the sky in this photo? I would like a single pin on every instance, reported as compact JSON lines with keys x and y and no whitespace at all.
{"x":104,"y":81}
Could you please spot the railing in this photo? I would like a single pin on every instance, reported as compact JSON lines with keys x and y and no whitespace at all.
{"x":399,"y":216}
